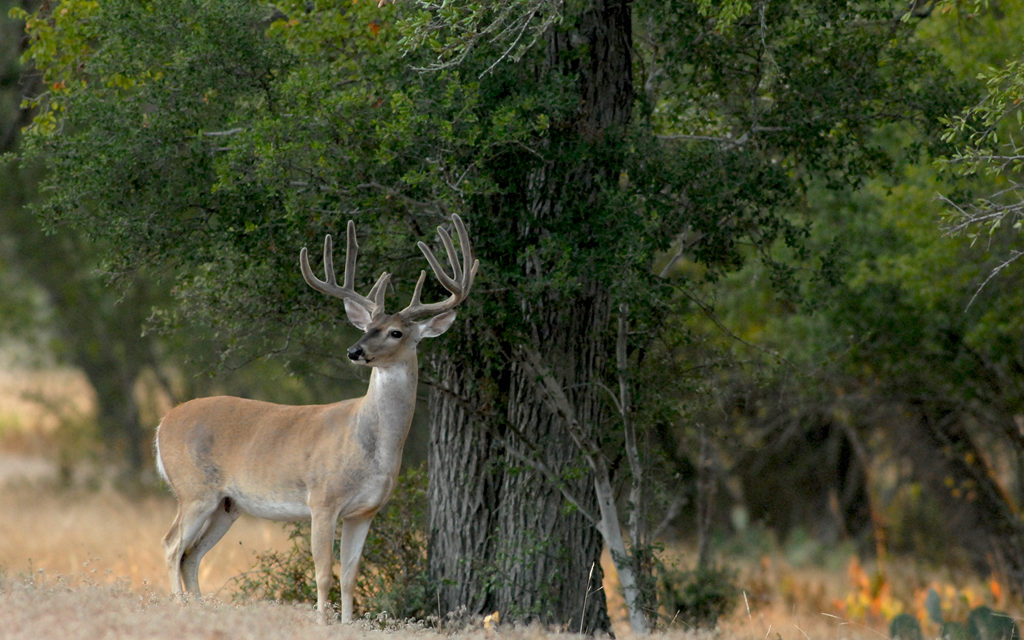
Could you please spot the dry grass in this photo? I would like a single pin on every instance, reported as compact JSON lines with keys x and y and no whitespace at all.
{"x":106,"y":536}
{"x":86,"y":563}
{"x":37,"y":606}
{"x":33,"y":402}
{"x":32,"y":610}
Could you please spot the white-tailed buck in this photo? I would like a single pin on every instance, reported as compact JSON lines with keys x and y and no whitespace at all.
{"x":225,"y":455}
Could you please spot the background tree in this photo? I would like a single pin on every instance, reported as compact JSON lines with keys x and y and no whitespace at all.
{"x":16,"y":303}
{"x":966,"y":415}
{"x":62,"y":299}
{"x":98,"y":329}
{"x":906,"y":360}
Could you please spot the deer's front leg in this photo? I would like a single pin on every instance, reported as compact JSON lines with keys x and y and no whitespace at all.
{"x":321,"y":540}
{"x":353,"y":536}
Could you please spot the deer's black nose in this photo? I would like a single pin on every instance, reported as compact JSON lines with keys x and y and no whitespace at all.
{"x":354,"y":353}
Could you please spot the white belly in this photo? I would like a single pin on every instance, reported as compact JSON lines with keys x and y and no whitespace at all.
{"x":272,"y":509}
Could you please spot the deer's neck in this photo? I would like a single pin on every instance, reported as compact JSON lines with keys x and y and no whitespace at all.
{"x":389,"y":404}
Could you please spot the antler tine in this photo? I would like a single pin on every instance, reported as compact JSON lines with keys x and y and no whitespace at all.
{"x":448,"y":282}
{"x":351,"y":253}
{"x":467,"y":249}
{"x":377,"y":291}
{"x":418,"y":290}
{"x":466,"y":277}
{"x":458,"y":284}
{"x":374,"y":303}
{"x":449,"y":248}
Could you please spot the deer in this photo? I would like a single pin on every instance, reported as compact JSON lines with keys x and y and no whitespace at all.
{"x":223,"y":456}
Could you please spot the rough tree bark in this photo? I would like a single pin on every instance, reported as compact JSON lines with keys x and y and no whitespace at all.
{"x":502,"y":534}
{"x":463,"y":488}
{"x":547,"y":547}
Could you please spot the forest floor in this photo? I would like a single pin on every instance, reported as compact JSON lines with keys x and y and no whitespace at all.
{"x":80,"y":559}
{"x":86,"y":562}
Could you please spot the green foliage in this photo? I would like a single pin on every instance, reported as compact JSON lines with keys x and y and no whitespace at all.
{"x":724,"y":12}
{"x":295,"y":131}
{"x":58,"y":43}
{"x":698,"y":598}
{"x":453,"y":31}
{"x":955,"y":631}
{"x":933,"y":605}
{"x":285,"y":576}
{"x":984,"y":137}
{"x":392,"y":576}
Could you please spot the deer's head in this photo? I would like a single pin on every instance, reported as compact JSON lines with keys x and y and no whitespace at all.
{"x":390,"y":337}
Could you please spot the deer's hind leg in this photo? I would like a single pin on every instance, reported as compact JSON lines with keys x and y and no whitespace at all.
{"x":191,"y":521}
{"x":217,"y":525}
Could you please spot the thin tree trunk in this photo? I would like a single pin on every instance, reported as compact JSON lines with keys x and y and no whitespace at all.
{"x":114,"y":379}
{"x":640,"y":560}
{"x":706,"y":491}
{"x":606,"y":520}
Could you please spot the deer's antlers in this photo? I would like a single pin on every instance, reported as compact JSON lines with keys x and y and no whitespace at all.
{"x":458,"y":284}
{"x":373,"y":303}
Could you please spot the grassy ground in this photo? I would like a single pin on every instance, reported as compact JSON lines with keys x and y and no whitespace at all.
{"x":105,"y":536}
{"x":41,"y":605}
{"x":86,"y":562}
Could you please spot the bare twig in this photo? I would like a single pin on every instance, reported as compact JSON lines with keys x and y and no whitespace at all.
{"x":1014,"y":256}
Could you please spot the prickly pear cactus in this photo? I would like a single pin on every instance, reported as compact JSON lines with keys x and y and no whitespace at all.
{"x":982,"y":624}
{"x":905,"y":627}
{"x":986,"y":624}
{"x":933,"y":605}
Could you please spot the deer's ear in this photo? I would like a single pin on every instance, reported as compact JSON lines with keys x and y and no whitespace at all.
{"x":357,"y":315}
{"x":433,"y":327}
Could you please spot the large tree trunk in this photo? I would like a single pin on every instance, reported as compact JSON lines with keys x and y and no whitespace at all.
{"x":551,"y":552}
{"x":463,"y":490}
{"x":119,"y":424}
{"x":502,"y":534}
{"x":105,"y":340}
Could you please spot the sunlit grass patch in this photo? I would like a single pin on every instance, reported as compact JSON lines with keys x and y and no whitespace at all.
{"x":108,"y":536}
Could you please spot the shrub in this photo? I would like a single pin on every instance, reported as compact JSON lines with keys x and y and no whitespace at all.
{"x":698,"y":598}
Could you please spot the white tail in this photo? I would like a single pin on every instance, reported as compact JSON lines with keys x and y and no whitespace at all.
{"x":223,"y":456}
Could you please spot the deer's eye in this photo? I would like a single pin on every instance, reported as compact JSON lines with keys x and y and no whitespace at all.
{"x":395,"y":333}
